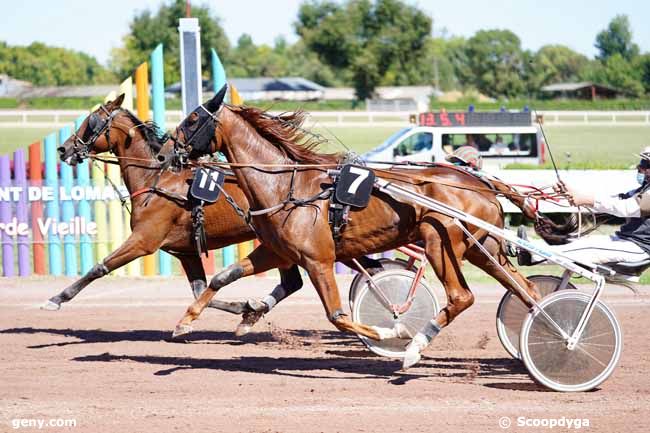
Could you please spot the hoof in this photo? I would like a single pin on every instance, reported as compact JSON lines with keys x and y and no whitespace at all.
{"x":51,"y":306}
{"x":243,"y":329}
{"x":412,"y":356}
{"x":181,"y":330}
{"x":248,"y":320}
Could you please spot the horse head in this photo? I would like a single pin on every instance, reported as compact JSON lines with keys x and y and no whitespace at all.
{"x":197,"y":131}
{"x":93,"y":136}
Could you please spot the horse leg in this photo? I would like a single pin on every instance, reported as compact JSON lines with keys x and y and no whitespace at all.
{"x":251,"y":309}
{"x":260,"y":260}
{"x":137,"y":245}
{"x":444,"y":249}
{"x":193,"y":268}
{"x":322,"y":277}
{"x":493,"y":246}
{"x":290,"y":282}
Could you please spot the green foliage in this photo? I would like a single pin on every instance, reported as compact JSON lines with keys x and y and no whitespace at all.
{"x":616,"y":39}
{"x":641,"y":64}
{"x":147,"y":30}
{"x":43,"y":65}
{"x":497,"y":62}
{"x":556,"y":64}
{"x":63,"y":103}
{"x":617,"y":72}
{"x":368,"y":44}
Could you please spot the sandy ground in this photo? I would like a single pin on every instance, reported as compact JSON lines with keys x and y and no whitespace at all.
{"x":106,"y":361}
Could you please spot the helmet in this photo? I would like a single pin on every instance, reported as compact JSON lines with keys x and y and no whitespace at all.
{"x":466,"y":155}
{"x":645,"y":158}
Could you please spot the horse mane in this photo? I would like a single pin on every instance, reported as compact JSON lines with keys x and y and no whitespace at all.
{"x":285,"y":132}
{"x":154,"y":136}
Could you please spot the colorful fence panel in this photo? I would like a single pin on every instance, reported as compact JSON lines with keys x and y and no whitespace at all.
{"x":22,"y":212}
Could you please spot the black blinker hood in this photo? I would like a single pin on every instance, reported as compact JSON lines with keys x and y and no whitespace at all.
{"x":199,"y":134}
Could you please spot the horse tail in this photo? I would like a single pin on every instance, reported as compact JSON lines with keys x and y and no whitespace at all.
{"x":561,"y":233}
{"x":516,"y":198}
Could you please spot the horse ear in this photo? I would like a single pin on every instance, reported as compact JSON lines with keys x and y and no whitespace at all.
{"x":213,"y":104}
{"x":117,"y":102}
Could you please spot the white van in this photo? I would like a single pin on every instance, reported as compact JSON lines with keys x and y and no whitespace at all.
{"x":501,"y":138}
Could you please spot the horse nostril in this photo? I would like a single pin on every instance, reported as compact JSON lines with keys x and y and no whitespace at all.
{"x":61,"y":150}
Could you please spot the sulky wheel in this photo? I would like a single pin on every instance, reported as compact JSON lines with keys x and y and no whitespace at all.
{"x":512,"y":312}
{"x":547,"y":355}
{"x":360,"y":279}
{"x":395,"y":285}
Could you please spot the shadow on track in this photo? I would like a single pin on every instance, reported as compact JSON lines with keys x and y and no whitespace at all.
{"x":274,"y":335}
{"x":286,"y":366}
{"x":345,"y":355}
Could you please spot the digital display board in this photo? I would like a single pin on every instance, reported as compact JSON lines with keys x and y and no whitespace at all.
{"x":446,"y":119}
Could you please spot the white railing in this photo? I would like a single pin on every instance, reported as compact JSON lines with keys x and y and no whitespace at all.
{"x":595,"y":118}
{"x":58,"y":118}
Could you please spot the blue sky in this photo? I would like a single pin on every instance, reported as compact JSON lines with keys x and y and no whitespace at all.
{"x":96,"y":26}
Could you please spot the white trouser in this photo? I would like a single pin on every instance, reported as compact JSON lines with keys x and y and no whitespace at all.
{"x":598,"y":249}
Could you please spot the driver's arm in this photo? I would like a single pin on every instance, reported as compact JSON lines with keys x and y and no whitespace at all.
{"x":624,"y":208}
{"x":603,"y":203}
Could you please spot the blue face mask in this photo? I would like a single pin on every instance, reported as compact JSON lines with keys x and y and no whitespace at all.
{"x":640,"y":178}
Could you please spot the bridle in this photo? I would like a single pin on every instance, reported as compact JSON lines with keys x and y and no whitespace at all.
{"x":98,"y":126}
{"x":185,"y":149}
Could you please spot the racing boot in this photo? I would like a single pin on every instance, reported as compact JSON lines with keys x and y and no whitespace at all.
{"x":421,"y":340}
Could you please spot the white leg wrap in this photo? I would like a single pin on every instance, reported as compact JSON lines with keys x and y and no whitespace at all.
{"x":270,"y":301}
{"x":385,"y":333}
{"x":419,"y":343}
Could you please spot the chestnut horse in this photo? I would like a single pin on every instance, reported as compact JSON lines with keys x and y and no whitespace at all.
{"x":264,"y":152}
{"x":163,"y":218}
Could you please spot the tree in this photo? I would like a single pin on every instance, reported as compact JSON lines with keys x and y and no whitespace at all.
{"x":43,"y":65}
{"x":456,"y":53}
{"x":365,"y":43}
{"x":616,"y":72}
{"x":642,"y":64}
{"x":496,"y":62}
{"x":148,"y":30}
{"x":559,"y":64}
{"x":616,"y":39}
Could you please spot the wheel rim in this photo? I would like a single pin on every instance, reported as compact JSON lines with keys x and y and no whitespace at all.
{"x":369,"y":310}
{"x":545,"y":352}
{"x":512,"y":312}
{"x":360,"y":279}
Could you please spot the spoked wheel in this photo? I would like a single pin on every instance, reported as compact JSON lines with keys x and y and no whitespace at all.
{"x":370,"y":310}
{"x":360,"y":279}
{"x":512,"y":312}
{"x":546,"y":354}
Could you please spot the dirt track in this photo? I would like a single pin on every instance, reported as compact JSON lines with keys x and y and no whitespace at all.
{"x":105,"y":361}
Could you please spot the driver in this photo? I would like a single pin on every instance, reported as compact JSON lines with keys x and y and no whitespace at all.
{"x":631,"y":243}
{"x":467,"y":156}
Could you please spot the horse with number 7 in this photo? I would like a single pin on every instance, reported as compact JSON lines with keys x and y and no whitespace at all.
{"x":286,"y":183}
